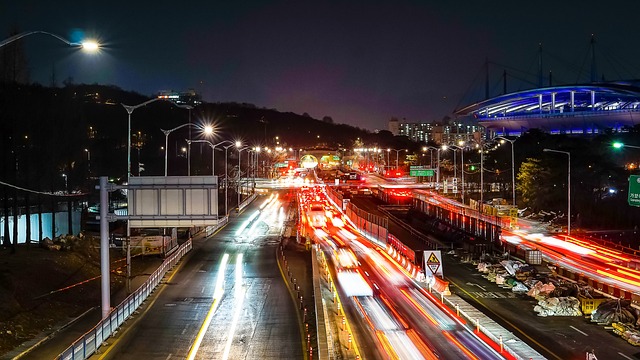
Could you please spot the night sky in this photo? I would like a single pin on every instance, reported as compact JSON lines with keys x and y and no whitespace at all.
{"x":360,"y":62}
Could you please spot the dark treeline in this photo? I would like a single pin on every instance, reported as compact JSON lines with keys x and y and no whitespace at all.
{"x":59,"y":139}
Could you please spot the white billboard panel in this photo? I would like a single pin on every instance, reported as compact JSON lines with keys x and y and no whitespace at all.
{"x":167,"y":201}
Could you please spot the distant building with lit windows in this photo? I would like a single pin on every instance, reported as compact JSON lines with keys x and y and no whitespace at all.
{"x":435,"y":132}
{"x":189,"y":97}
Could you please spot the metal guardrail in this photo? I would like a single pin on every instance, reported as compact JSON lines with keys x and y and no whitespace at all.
{"x":91,"y":341}
{"x":247,"y":201}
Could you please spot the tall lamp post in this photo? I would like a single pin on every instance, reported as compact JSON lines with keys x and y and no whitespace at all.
{"x":207,"y":130}
{"x":513,"y":168}
{"x":397,"y":154}
{"x":568,"y":185}
{"x":437,"y":149}
{"x":238,"y":144}
{"x":130,"y":109}
{"x":461,"y":148}
{"x":226,"y":180}
{"x":213,"y":151}
{"x":88,"y":162}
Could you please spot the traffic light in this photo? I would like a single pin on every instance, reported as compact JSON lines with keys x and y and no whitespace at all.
{"x":472,"y":167}
{"x":617,"y":145}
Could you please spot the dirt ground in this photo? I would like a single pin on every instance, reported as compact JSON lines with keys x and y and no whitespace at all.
{"x":41,"y":288}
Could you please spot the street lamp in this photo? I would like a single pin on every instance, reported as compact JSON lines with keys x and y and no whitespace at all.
{"x":166,"y":142}
{"x":238,"y":144}
{"x":66,"y":185}
{"x":513,"y":168}
{"x":438,"y":149}
{"x":397,"y":154}
{"x":461,"y":148}
{"x":213,"y":150}
{"x":130,"y":109}
{"x":568,"y":186}
{"x":88,"y":161}
{"x":88,"y":45}
{"x":226,"y":179}
{"x":619,"y":145}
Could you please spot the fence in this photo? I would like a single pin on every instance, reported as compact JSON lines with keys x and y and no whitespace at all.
{"x":86,"y":345}
{"x":374,"y":226}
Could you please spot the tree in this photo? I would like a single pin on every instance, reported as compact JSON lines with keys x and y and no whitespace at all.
{"x":327,"y":119}
{"x":532,"y":177}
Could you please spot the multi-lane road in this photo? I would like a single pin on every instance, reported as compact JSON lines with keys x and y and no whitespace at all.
{"x":227,"y":299}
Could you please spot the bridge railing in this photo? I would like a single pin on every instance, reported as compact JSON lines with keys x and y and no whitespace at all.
{"x":88,"y":343}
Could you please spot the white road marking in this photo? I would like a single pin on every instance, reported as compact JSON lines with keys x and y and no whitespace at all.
{"x":624,"y":356}
{"x":578,"y":330}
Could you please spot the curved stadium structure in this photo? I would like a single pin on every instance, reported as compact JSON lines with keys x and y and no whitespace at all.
{"x":569,"y":109}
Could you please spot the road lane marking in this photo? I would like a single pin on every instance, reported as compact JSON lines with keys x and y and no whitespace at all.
{"x":217,"y":295}
{"x":478,"y":285}
{"x":578,"y":330}
{"x":137,"y":319}
{"x":624,"y":356}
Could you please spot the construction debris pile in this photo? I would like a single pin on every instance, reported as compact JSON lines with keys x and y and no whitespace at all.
{"x":558,"y":306}
{"x":555,"y":297}
{"x":624,"y":319}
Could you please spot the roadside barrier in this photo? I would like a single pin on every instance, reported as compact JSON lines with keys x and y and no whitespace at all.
{"x":91,"y":341}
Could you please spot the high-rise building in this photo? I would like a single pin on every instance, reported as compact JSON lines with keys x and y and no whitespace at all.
{"x":435,"y":132}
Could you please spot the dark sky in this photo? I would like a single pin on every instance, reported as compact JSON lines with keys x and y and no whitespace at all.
{"x":360,"y":62}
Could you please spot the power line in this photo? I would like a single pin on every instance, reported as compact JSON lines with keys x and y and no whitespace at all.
{"x":41,"y":192}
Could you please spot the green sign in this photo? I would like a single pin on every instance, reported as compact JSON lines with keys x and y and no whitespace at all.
{"x":425,"y":172}
{"x":634,"y":190}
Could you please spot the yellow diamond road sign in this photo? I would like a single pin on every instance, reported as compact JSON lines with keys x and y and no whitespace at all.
{"x":433,"y":262}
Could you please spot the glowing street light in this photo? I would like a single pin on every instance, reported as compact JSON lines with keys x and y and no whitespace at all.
{"x":619,"y":145}
{"x":88,"y":45}
{"x":513,"y":168}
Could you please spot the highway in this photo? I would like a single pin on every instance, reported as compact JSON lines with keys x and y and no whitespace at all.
{"x":227,"y":299}
{"x":400,"y":317}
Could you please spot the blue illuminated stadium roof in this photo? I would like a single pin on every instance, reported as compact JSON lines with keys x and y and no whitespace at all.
{"x":603,"y":105}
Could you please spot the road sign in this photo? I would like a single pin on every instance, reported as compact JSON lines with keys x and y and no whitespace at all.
{"x":634,"y":190}
{"x":433,"y":263}
{"x":421,"y":172}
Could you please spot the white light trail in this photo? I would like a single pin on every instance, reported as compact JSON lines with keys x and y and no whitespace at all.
{"x":217,"y":296}
{"x":239,"y":295}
